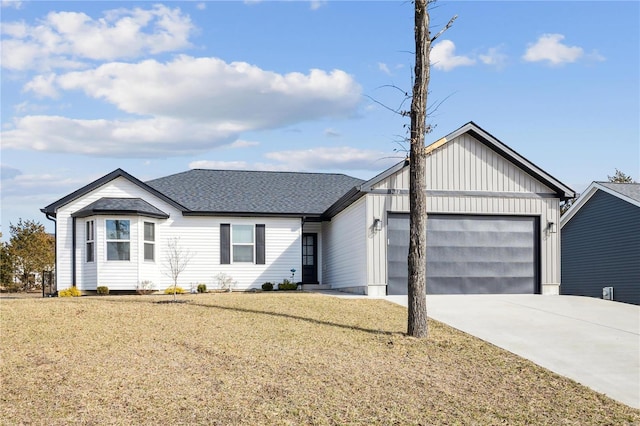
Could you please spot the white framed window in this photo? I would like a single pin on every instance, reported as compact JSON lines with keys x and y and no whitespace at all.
{"x":118,"y":239}
{"x":242,"y":243}
{"x":149,"y":241}
{"x":90,"y":241}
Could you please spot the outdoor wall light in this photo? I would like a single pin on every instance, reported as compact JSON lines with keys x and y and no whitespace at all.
{"x":377,"y":224}
{"x":551,"y":227}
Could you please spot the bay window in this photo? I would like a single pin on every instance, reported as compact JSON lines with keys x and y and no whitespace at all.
{"x":118,"y":239}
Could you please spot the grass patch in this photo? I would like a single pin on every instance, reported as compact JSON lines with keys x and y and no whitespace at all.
{"x":267,"y":358}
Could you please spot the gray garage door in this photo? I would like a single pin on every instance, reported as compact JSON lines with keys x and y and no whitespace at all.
{"x":468,"y":254}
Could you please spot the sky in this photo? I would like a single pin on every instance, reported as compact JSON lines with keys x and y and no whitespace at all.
{"x":157,"y":88}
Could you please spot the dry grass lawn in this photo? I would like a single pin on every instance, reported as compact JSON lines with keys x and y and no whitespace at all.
{"x":267,"y":359}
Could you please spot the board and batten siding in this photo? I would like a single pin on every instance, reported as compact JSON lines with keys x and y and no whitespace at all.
{"x":199,"y":235}
{"x":464,"y":176}
{"x":344,"y":249}
{"x":601,"y":248}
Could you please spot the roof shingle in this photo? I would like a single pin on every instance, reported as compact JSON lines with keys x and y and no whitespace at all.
{"x":239,"y":191}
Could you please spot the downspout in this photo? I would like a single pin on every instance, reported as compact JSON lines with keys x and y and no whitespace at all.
{"x":73,"y":252}
{"x":55,"y":248}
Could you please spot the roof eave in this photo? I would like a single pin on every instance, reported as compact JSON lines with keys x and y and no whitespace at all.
{"x":345,"y":201}
{"x":107,"y":212}
{"x":249,"y":214}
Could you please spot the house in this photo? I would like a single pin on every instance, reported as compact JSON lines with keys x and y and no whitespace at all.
{"x":492,"y":219}
{"x":601,"y":242}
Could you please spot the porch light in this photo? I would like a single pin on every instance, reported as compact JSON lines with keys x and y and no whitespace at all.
{"x":551,"y":227}
{"x":377,"y":224}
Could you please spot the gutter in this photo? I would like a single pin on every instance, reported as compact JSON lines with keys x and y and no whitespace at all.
{"x":55,"y":246}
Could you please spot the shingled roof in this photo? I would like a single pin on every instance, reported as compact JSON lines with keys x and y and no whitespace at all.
{"x":631,"y":190}
{"x":245,"y":192}
{"x":116,"y":206}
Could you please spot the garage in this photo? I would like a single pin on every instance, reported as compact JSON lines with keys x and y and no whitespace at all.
{"x":468,"y":254}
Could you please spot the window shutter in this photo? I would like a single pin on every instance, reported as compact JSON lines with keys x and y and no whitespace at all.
{"x":260,"y":245}
{"x":225,"y":243}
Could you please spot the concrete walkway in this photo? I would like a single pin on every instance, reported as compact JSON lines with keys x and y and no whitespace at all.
{"x":592,"y":341}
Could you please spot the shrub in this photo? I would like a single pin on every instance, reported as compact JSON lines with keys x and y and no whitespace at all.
{"x":145,"y":287}
{"x":267,"y":286}
{"x":102,"y":289}
{"x":225,"y":282}
{"x":287,"y":285}
{"x":202,"y":288}
{"x":171,"y":290}
{"x":69,"y":292}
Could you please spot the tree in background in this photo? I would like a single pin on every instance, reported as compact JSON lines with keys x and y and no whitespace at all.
{"x":6,"y":266}
{"x":620,"y":177}
{"x":31,"y":251}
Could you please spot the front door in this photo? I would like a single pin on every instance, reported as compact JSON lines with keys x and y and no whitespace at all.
{"x":310,"y":258}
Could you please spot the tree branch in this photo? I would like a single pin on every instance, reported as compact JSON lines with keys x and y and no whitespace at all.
{"x":446,"y":27}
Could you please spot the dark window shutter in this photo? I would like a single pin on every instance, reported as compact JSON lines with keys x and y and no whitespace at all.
{"x":260,"y":245}
{"x":225,"y":243}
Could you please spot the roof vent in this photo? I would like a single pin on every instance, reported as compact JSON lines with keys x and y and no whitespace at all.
{"x":607,"y":293}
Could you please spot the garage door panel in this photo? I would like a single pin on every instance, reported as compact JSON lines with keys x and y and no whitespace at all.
{"x":477,"y":285}
{"x":468,"y":254}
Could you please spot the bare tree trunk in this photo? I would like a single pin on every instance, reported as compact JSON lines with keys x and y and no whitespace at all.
{"x":417,"y":316}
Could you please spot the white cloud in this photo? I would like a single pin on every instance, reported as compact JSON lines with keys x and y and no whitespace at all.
{"x":219,"y":165}
{"x":333,"y":158}
{"x":147,"y":138}
{"x":317,"y":4}
{"x":184,"y":106}
{"x":494,"y":57}
{"x":201,"y":6}
{"x":384,"y":68}
{"x":201,"y":88}
{"x":549,"y":47}
{"x":16,"y":4}
{"x":240,"y":143}
{"x":443,"y":57}
{"x":70,"y":39}
{"x":43,"y":86}
{"x":314,"y":159}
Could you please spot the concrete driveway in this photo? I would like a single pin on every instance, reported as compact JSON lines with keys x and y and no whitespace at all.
{"x":592,"y":341}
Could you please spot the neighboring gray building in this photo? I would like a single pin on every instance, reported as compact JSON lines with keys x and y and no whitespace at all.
{"x":600,"y":237}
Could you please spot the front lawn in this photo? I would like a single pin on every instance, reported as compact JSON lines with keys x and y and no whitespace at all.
{"x":263,"y":359}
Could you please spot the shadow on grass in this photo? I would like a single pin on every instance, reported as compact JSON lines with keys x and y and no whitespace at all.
{"x":151,"y":299}
{"x":295,"y":317}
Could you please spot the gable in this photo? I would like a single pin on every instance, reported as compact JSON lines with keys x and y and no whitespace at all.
{"x":467,"y":162}
{"x":106,"y":181}
{"x":624,"y":194}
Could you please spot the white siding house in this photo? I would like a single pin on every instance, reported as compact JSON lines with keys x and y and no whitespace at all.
{"x":492,"y":226}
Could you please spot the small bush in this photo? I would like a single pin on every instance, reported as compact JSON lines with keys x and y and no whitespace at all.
{"x":102,"y":289}
{"x":202,"y":288}
{"x":287,"y":285}
{"x":69,"y":292}
{"x":145,"y":287}
{"x":171,"y":290}
{"x":225,"y":282}
{"x":267,"y":286}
